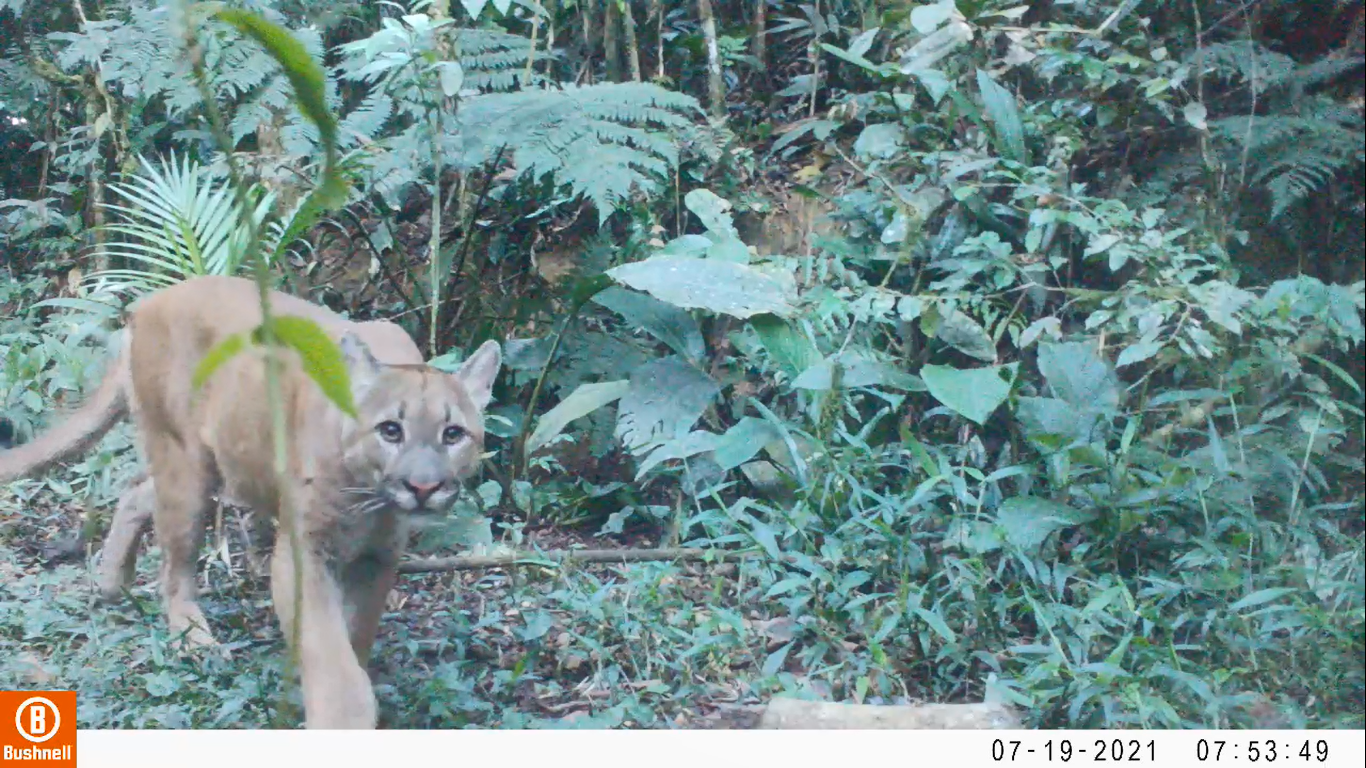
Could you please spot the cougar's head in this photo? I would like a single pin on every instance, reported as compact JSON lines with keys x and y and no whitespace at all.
{"x":421,"y":430}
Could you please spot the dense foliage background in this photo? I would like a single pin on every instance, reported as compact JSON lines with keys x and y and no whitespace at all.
{"x":1018,"y":345}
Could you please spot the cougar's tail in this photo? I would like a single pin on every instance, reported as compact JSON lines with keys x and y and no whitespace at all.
{"x":80,"y":431}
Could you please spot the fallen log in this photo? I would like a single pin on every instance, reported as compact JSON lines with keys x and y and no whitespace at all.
{"x":795,"y":714}
{"x":554,"y":557}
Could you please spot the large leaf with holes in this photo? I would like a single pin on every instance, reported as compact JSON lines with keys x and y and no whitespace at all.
{"x":665,"y":322}
{"x":972,"y":393}
{"x":665,"y":398}
{"x":723,"y":287}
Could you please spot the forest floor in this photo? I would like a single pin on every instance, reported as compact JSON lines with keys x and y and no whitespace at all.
{"x":640,"y":645}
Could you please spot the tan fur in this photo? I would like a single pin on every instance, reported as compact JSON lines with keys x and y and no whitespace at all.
{"x":353,"y":485}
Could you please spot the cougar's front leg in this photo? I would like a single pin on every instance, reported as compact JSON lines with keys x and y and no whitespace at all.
{"x":336,"y":688}
{"x":367,"y":583}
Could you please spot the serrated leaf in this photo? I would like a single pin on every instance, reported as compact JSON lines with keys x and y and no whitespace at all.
{"x":717,"y":286}
{"x":585,"y":399}
{"x":321,"y":357}
{"x":973,"y":393}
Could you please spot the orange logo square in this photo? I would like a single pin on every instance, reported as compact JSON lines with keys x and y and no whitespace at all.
{"x":37,"y":729}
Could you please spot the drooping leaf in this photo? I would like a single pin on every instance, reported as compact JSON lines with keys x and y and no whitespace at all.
{"x":972,"y":393}
{"x":219,"y":354}
{"x":717,"y":286}
{"x":743,"y":442}
{"x":306,"y":77}
{"x":582,"y":401}
{"x":665,"y":322}
{"x":321,"y":357}
{"x":790,"y":349}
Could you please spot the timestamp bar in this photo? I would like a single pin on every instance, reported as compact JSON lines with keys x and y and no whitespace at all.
{"x":1173,"y":748}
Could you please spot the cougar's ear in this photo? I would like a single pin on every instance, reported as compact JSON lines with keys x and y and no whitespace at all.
{"x":360,"y":363}
{"x":479,"y":371}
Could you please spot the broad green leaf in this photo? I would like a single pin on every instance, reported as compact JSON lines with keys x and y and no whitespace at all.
{"x":1196,"y":115}
{"x":221,"y":352}
{"x":880,"y":141}
{"x":1261,"y":596}
{"x":923,"y":56}
{"x":713,"y":210}
{"x":1004,"y":113}
{"x":774,"y":663}
{"x":857,"y":371}
{"x":1138,"y":352}
{"x":972,"y":393}
{"x":858,"y":60}
{"x":452,"y":77}
{"x":664,"y":400}
{"x":787,"y":346}
{"x":963,"y":333}
{"x":321,"y":357}
{"x":927,"y":18}
{"x":1028,"y":520}
{"x":582,"y":401}
{"x":684,"y":447}
{"x":1056,"y":423}
{"x":665,"y":322}
{"x":936,"y":623}
{"x":743,"y":442}
{"x":1079,"y":376}
{"x":717,"y":286}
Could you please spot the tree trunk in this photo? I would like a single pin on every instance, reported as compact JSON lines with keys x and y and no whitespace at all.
{"x":761,"y":37}
{"x":611,"y":47}
{"x":716,"y":86}
{"x":632,"y":44}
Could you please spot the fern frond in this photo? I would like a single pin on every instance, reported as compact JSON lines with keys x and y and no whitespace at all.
{"x":603,"y":141}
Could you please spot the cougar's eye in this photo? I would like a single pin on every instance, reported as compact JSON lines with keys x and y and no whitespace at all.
{"x":390,"y":431}
{"x":452,"y":434}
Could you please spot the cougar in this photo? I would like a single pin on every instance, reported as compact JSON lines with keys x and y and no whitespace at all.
{"x":353,"y":487}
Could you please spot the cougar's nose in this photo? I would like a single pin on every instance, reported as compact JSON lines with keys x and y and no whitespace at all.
{"x":422,"y":491}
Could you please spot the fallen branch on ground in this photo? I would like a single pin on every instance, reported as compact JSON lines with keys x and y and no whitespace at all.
{"x":510,"y":559}
{"x":794,"y":714}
